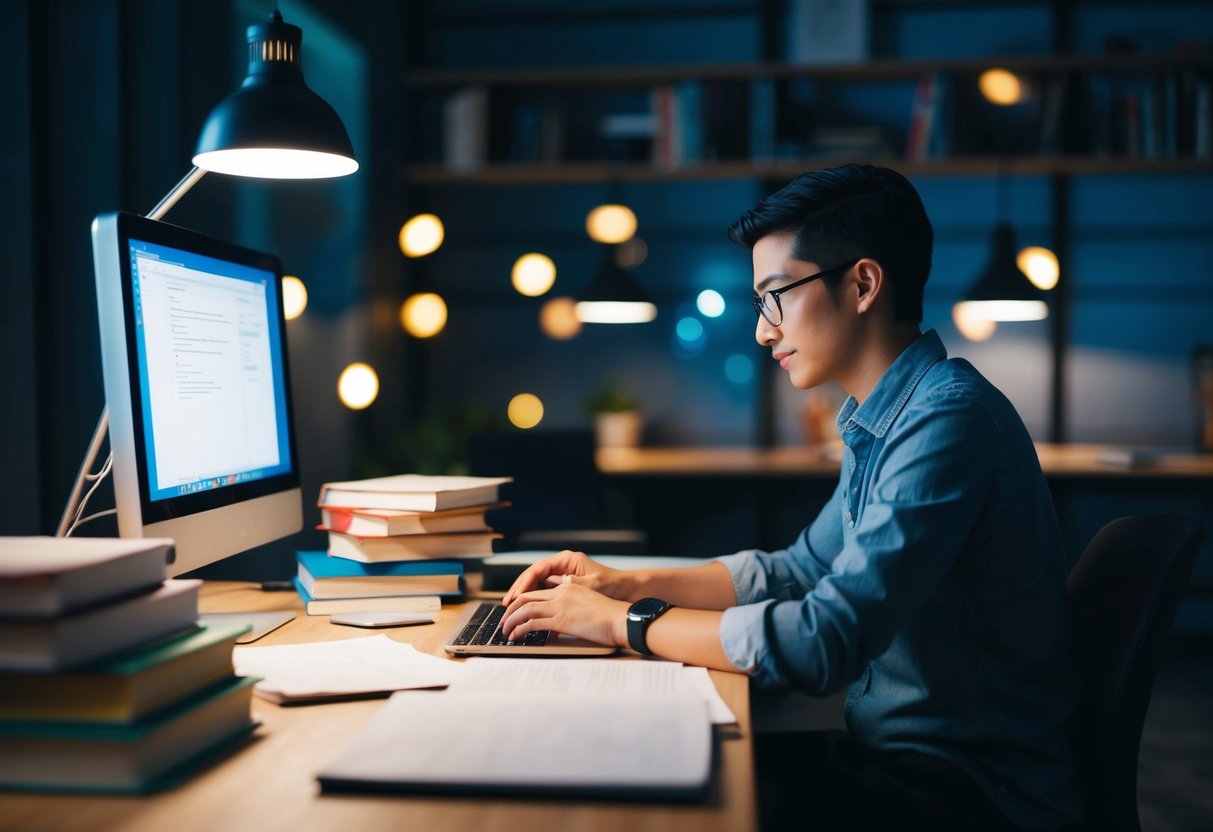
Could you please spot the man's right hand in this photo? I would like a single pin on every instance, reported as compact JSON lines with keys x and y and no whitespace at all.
{"x":571,"y":567}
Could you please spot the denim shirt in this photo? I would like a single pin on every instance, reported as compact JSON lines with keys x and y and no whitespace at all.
{"x":933,"y":583}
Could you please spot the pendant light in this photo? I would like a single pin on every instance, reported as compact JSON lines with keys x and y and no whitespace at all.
{"x":613,"y":296}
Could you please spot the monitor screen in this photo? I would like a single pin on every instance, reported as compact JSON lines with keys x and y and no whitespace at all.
{"x":196,"y":379}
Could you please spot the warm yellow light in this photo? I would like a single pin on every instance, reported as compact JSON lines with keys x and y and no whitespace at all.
{"x":1000,"y":87}
{"x":558,"y":319}
{"x":423,"y":315}
{"x":610,"y":224}
{"x":421,"y":235}
{"x":294,"y":297}
{"x":358,"y":386}
{"x":533,"y":274}
{"x":1040,"y":265}
{"x":525,"y":411}
{"x":970,"y":326}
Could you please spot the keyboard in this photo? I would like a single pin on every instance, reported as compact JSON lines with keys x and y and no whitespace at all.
{"x":484,"y":627}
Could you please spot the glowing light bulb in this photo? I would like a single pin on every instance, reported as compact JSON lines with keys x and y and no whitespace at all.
{"x":423,"y":315}
{"x":421,"y":235}
{"x":558,"y":319}
{"x":533,"y":274}
{"x":610,"y":224}
{"x":525,"y":411}
{"x":1040,"y":265}
{"x":294,"y":297}
{"x":358,"y":386}
{"x":710,"y":303}
{"x":1001,"y":87}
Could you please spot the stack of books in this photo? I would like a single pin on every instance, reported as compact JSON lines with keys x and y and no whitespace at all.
{"x":397,"y":543}
{"x":107,"y":683}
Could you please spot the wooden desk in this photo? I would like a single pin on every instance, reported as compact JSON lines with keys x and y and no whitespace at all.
{"x":1066,"y":460}
{"x":270,"y":783}
{"x":701,"y":501}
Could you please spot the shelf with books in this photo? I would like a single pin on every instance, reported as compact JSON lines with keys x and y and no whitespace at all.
{"x":1081,"y":114}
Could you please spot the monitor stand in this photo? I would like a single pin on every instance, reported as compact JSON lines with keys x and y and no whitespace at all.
{"x":261,"y":622}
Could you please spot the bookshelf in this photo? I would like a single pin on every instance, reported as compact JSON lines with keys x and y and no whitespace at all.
{"x":1171,"y":89}
{"x":584,"y":94}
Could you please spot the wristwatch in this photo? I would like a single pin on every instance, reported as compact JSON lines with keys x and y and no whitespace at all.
{"x":640,"y":615}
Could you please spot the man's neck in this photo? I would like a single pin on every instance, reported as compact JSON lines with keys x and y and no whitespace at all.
{"x":875,"y":356}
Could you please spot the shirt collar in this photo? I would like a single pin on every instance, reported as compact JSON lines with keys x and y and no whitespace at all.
{"x":894,"y":388}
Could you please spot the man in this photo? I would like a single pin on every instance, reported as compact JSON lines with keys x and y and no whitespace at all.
{"x":932,"y":582}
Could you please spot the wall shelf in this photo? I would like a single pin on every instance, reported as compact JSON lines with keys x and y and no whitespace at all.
{"x":573,"y":173}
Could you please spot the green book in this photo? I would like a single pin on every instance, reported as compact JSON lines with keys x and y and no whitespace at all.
{"x":145,"y":756}
{"x":127,"y":687}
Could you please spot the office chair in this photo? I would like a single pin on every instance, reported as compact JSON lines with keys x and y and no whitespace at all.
{"x":555,"y":498}
{"x":1123,"y":593}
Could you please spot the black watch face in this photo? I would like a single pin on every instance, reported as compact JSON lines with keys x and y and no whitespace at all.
{"x":647,"y":607}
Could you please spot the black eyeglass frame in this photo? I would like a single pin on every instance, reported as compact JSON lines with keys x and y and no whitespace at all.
{"x":759,"y":301}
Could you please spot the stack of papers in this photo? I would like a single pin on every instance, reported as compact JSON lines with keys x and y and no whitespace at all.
{"x":341,"y":669}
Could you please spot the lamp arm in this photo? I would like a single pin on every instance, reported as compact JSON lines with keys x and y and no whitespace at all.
{"x":73,"y":507}
{"x":179,"y":190}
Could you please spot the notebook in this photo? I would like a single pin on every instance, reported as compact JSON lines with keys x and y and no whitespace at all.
{"x":478,"y":633}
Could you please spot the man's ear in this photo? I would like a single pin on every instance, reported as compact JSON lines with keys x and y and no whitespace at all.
{"x":869,"y":284}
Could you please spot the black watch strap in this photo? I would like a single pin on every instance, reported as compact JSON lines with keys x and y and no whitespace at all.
{"x":640,"y":615}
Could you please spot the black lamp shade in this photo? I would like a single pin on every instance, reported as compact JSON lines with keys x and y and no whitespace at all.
{"x":274,"y":126}
{"x":613,"y":296}
{"x":1003,"y":292}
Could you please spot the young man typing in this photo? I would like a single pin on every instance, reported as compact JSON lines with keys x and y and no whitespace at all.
{"x":931,"y":583}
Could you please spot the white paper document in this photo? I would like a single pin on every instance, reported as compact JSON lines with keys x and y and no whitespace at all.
{"x":320,"y":670}
{"x":575,"y":678}
{"x":532,"y":744}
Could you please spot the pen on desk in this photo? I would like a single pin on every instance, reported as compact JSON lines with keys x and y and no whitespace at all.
{"x":277,"y":586}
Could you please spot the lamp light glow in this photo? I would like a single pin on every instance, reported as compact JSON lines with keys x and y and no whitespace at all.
{"x":710,"y":303}
{"x":611,"y":223}
{"x":421,"y":235}
{"x":533,"y":274}
{"x":558,"y":319}
{"x":423,"y":315}
{"x":1001,"y":87}
{"x":1040,"y":265}
{"x":1003,"y":310}
{"x":294,"y":297}
{"x":615,"y":312}
{"x":358,"y":386}
{"x":525,"y":411}
{"x":972,"y":328}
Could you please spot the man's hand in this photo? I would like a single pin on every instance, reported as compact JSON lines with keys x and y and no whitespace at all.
{"x":570,"y":608}
{"x":569,"y":567}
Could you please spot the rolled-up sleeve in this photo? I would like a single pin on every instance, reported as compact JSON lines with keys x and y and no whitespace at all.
{"x":761,"y":578}
{"x":931,"y":478}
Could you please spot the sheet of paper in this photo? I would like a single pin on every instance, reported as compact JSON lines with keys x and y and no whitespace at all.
{"x":535,"y":742}
{"x":341,"y":668}
{"x":581,"y":677}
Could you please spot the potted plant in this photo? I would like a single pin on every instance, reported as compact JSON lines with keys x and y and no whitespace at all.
{"x":616,"y":416}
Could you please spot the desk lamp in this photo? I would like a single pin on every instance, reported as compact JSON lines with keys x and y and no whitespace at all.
{"x":272,"y":127}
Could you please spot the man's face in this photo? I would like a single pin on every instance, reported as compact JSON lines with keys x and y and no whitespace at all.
{"x":812,"y":340}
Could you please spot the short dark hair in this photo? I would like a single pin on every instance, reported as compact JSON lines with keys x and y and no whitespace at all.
{"x":845,"y":213}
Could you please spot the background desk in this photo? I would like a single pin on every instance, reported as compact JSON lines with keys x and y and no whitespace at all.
{"x":270,"y":784}
{"x":705,"y":501}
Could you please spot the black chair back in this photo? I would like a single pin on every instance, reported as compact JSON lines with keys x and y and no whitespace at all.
{"x":1123,"y":594}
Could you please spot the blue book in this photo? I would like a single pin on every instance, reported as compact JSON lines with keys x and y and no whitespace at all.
{"x":324,"y":576}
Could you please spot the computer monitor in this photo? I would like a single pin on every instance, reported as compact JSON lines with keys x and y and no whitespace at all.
{"x":194,"y":353}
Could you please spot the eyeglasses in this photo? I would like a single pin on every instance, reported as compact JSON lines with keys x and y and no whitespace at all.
{"x":767,"y":304}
